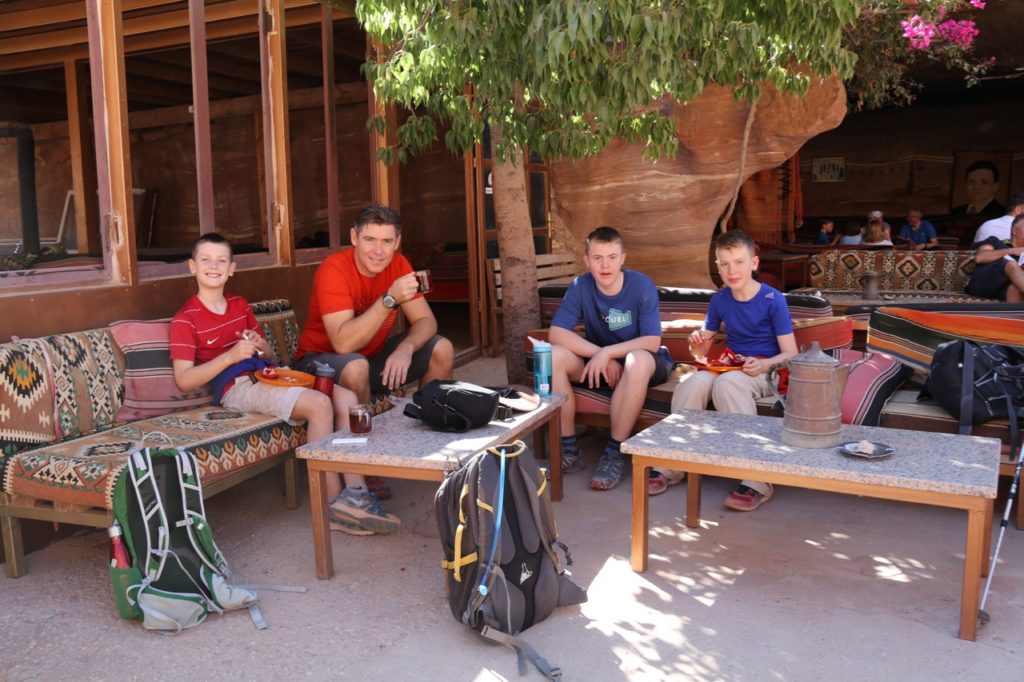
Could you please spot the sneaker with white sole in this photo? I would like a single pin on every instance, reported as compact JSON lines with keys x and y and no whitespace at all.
{"x":358,"y":511}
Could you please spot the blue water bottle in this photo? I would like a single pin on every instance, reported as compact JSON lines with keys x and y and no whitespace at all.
{"x":542,"y":368}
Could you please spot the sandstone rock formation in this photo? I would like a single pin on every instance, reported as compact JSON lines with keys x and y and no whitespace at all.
{"x":668,"y":211}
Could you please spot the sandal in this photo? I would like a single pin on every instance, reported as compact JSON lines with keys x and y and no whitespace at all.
{"x":746,"y":499}
{"x":660,"y":481}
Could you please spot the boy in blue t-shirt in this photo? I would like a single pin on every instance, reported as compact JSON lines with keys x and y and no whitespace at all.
{"x":758,"y":327}
{"x":621,"y":348}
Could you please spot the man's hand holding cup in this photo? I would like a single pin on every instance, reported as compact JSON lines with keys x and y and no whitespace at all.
{"x":404,"y":288}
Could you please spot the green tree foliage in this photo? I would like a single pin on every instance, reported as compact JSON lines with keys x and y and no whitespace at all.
{"x":565,"y":78}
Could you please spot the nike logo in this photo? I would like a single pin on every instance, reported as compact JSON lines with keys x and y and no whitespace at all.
{"x":209,"y":342}
{"x":525,"y":574}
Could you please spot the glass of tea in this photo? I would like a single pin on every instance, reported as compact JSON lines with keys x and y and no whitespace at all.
{"x":360,"y":418}
{"x":423,"y":277}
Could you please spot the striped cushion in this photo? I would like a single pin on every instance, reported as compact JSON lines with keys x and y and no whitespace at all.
{"x":149,"y":388}
{"x":911,"y":336}
{"x":874,"y":378}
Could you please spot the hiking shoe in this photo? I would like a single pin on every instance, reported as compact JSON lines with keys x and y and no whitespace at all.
{"x":745,"y":498}
{"x":609,"y":471}
{"x":360,"y":510}
{"x":572,"y":460}
{"x":659,"y":480}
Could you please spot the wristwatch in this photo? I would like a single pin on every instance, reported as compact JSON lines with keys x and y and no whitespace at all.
{"x":389,"y":302}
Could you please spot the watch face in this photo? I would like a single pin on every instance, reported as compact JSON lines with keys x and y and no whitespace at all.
{"x":389,"y":301}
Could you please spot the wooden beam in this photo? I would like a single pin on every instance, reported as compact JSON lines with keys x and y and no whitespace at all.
{"x":306,"y":12}
{"x":64,"y":12}
{"x":330,"y":129}
{"x":274,"y":68}
{"x":110,"y":119}
{"x":157,"y":67}
{"x":383,"y":177}
{"x":83,"y":160}
{"x":201,"y":117}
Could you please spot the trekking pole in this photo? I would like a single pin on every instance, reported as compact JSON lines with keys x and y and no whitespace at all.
{"x":983,"y":616}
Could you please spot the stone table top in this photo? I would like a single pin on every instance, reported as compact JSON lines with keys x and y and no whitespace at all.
{"x":937,"y":462}
{"x":397,"y":440}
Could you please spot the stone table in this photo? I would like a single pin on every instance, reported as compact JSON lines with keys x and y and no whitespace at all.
{"x":944,"y":470}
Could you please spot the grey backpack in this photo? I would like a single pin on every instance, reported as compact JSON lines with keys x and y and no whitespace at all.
{"x":505,"y":569}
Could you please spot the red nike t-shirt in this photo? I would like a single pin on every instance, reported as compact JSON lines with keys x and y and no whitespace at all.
{"x":338,"y":285}
{"x":199,"y":334}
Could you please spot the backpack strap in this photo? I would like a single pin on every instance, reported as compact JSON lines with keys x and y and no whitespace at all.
{"x":459,"y":561}
{"x":967,"y":389}
{"x":523,"y":651}
{"x":154,"y":553}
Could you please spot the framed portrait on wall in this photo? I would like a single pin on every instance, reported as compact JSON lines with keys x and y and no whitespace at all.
{"x":981,"y":183}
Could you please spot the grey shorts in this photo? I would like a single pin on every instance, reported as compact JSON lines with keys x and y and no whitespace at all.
{"x":277,"y":401}
{"x":418,"y":367}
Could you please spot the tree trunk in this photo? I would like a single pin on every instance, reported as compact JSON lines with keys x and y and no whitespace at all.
{"x":518,"y":258}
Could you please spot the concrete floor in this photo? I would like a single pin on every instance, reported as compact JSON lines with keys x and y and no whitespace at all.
{"x":813,"y":586}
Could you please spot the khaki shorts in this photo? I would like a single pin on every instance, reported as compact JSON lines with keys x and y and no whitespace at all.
{"x":277,"y":401}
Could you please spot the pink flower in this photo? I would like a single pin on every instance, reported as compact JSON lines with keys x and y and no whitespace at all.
{"x":980,"y":4}
{"x":919,"y":32}
{"x":960,"y":33}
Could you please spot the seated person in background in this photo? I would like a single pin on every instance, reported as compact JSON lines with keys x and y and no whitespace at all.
{"x":621,"y":348}
{"x":1000,"y":227}
{"x":759,"y":329}
{"x":826,"y":234}
{"x":997,"y":270}
{"x":851,"y":235}
{"x":920,"y":233}
{"x":874,"y":235}
{"x":216,"y":340}
{"x":886,"y":228}
{"x":981,"y":180}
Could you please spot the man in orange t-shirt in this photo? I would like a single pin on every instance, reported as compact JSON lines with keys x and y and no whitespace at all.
{"x":356,"y":296}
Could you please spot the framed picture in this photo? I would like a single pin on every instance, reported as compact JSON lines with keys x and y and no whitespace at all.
{"x":981,"y":183}
{"x":828,"y":169}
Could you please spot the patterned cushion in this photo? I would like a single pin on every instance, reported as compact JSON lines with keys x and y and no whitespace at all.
{"x":26,"y":398}
{"x":82,"y":471}
{"x":86,"y":370}
{"x":149,"y":388}
{"x":874,"y":378}
{"x":279,"y":327}
{"x":911,"y":336}
{"x":898,"y":270}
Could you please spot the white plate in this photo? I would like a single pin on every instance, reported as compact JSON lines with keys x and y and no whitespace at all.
{"x":881,"y":451}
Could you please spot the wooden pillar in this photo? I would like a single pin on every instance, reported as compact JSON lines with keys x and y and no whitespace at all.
{"x":110,"y":121}
{"x":383,"y":177}
{"x":83,"y":159}
{"x":275,"y":130}
{"x":201,"y":115}
{"x":330,"y":128}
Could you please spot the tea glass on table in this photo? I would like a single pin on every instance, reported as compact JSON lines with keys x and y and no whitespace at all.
{"x":423,"y":279}
{"x":360,"y":418}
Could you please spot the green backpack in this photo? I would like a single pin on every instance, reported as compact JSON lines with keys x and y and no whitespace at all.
{"x":178,"y":574}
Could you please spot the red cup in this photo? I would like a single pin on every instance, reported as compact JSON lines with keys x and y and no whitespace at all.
{"x":360,"y":418}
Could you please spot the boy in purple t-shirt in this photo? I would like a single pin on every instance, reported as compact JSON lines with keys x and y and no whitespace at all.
{"x":621,"y":348}
{"x":758,"y":327}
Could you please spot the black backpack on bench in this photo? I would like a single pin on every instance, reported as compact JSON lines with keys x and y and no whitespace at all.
{"x":505,"y":569}
{"x":977,"y":383}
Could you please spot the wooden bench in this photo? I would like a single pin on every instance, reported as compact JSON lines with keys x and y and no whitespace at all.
{"x":552,"y":268}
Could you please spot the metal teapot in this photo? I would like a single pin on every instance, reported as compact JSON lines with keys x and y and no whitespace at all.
{"x":813,"y":417}
{"x":869,"y":280}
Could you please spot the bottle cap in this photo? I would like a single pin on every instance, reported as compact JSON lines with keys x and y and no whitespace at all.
{"x":323,"y":369}
{"x":115,"y":530}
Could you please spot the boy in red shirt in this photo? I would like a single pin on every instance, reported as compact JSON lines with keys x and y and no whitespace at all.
{"x":216,"y":340}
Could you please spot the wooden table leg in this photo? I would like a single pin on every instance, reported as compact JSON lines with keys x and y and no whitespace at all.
{"x":640,"y":513}
{"x":693,"y":500}
{"x":986,"y":551}
{"x":554,"y":429}
{"x":976,"y":530}
{"x":321,"y":530}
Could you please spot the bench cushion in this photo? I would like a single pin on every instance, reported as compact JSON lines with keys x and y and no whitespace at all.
{"x":82,"y":471}
{"x":913,"y":335}
{"x":898,"y":270}
{"x":26,"y":397}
